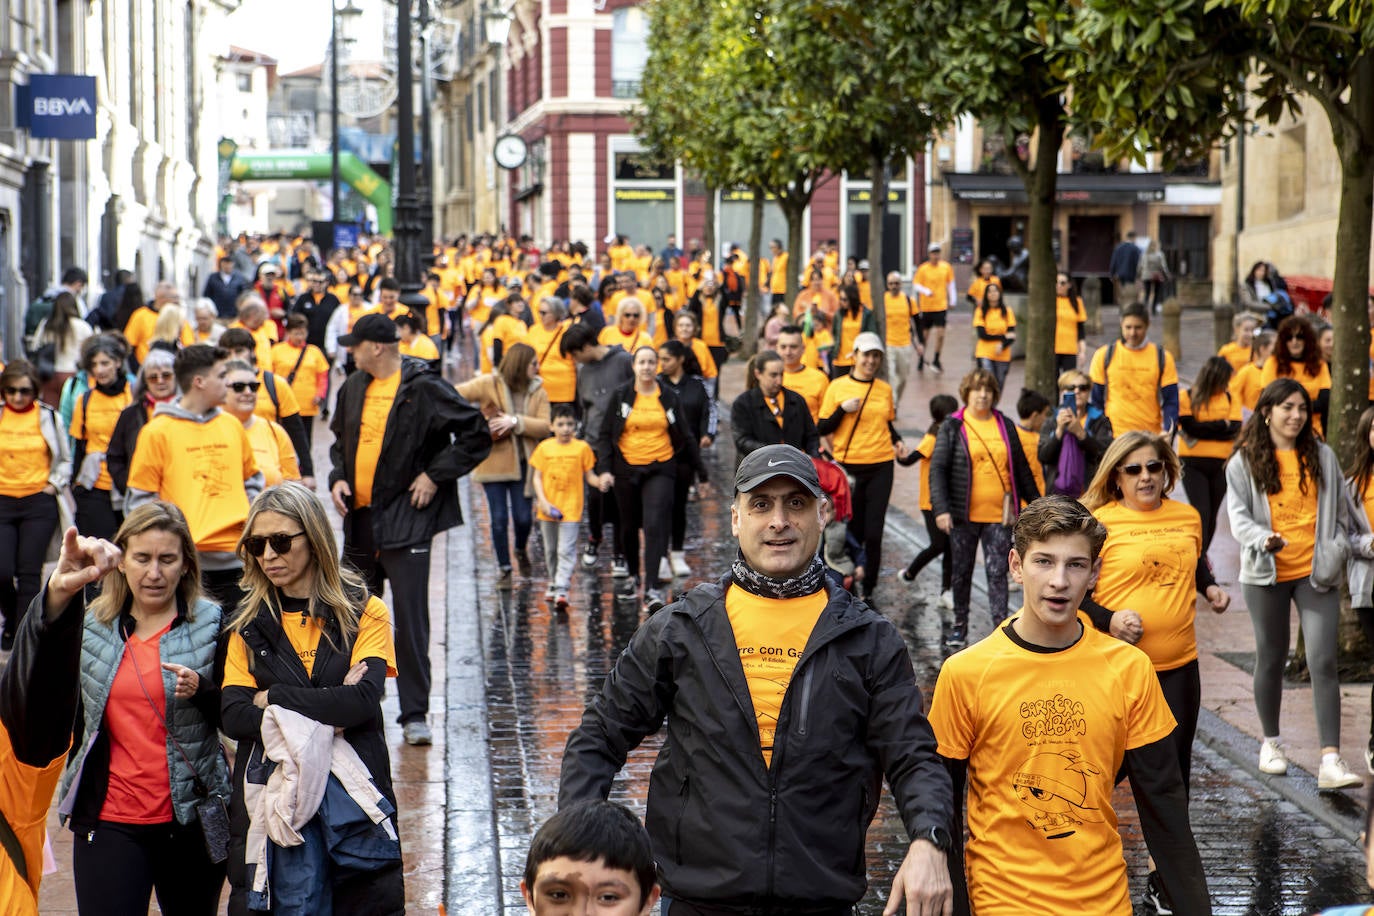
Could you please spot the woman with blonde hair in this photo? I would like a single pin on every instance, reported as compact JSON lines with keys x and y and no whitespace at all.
{"x":517,"y":410}
{"x":146,"y":753}
{"x":307,"y":638}
{"x":170,"y":326}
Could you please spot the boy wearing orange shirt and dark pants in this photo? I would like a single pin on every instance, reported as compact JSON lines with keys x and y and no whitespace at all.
{"x":402,"y":438}
{"x":197,"y":457}
{"x":1038,"y":718}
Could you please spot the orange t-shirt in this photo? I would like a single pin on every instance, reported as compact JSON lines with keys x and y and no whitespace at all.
{"x":381,"y":394}
{"x":140,"y":788}
{"x":991,"y":469}
{"x":645,"y":438}
{"x":24,"y":452}
{"x":1068,"y":315}
{"x":1293,"y":514}
{"x":926,"y":449}
{"x":1030,"y":445}
{"x":374,"y":640}
{"x":1234,"y":354}
{"x":420,"y":347}
{"x":1245,"y":386}
{"x":810,"y":384}
{"x":93,"y":419}
{"x":997,"y":322}
{"x":562,"y":469}
{"x":307,"y":384}
{"x":1225,"y":406}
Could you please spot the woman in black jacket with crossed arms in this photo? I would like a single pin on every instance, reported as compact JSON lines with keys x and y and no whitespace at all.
{"x":643,"y":436}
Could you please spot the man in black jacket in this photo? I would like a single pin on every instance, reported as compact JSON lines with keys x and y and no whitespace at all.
{"x":402,"y":438}
{"x":317,"y":304}
{"x":769,"y":414}
{"x":225,"y":287}
{"x":787,"y":702}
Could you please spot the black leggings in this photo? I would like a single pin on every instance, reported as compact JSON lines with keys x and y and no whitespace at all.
{"x":1182,"y":688}
{"x":1204,"y":480}
{"x":681,"y":485}
{"x":95,"y":516}
{"x":117,"y":868}
{"x":939,"y":547}
{"x":870,"y":494}
{"x":1065,"y":362}
{"x":645,"y":496}
{"x":601,"y":508}
{"x":27,"y":524}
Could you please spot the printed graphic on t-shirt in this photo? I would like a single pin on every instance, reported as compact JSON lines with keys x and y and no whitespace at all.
{"x":206,"y":462}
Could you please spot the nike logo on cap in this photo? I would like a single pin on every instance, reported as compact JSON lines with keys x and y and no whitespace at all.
{"x":771,"y":463}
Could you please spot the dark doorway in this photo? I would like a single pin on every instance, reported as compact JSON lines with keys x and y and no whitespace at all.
{"x":993,"y":232}
{"x":1187,"y":245}
{"x":1091,"y":240}
{"x":892,"y":239}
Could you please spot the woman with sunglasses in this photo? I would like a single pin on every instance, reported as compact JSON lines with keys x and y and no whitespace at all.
{"x":558,"y":371}
{"x":979,"y":479}
{"x":1082,"y":427}
{"x":156,"y":384}
{"x":1070,"y":322}
{"x":1297,"y":356}
{"x":308,"y":638}
{"x":851,"y":319}
{"x":1290,"y":515}
{"x":271,"y":445}
{"x":1209,"y":421}
{"x":147,"y":747}
{"x":94,"y":413}
{"x":34,"y":467}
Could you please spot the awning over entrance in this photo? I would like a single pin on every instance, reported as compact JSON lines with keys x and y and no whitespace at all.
{"x":1123,"y":188}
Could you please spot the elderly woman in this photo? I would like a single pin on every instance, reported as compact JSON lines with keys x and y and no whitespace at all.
{"x":207,"y":330}
{"x":36,"y":465}
{"x":156,"y":384}
{"x":513,"y":400}
{"x":558,"y":371}
{"x":147,"y":751}
{"x":979,"y":478}
{"x":272,"y":447}
{"x":1077,"y":426}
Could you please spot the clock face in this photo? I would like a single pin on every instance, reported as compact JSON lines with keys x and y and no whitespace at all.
{"x":510,"y":151}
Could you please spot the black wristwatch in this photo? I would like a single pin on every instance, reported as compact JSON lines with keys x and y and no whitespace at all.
{"x":937,"y":836}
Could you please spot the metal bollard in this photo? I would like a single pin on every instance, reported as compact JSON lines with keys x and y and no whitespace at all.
{"x":1222,"y":315}
{"x":1173,"y":320}
{"x":1092,"y":304}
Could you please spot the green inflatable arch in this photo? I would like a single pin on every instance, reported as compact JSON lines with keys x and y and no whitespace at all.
{"x":296,"y":164}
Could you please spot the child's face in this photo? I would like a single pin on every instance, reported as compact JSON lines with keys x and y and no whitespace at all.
{"x":564,"y":427}
{"x":566,"y":887}
{"x":1055,"y":575}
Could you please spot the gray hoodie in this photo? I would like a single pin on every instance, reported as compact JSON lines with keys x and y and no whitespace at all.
{"x":595,"y":383}
{"x":252,"y":486}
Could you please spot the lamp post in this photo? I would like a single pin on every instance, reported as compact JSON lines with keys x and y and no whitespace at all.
{"x":497,"y":20}
{"x":407,"y":226}
{"x":349,"y":11}
{"x":426,"y":189}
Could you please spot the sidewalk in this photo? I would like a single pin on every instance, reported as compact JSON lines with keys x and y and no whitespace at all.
{"x":1226,"y":642}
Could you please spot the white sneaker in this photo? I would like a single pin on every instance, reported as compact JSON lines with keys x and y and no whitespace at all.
{"x":947,"y":599}
{"x":1272,"y":759}
{"x":665,"y":570}
{"x":550,"y":591}
{"x":1336,"y":775}
{"x":679,"y":563}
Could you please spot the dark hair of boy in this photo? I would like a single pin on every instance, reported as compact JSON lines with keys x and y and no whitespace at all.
{"x":1057,"y":516}
{"x":390,"y":283}
{"x":594,"y":831}
{"x":293,"y":321}
{"x":575,"y":338}
{"x":195,"y":361}
{"x":238,"y":339}
{"x":560,"y":411}
{"x":1030,"y":402}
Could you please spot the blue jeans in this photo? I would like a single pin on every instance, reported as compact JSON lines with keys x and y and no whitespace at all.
{"x":506,"y":501}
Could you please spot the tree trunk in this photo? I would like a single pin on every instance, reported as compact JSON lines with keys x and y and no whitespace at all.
{"x":753,"y":306}
{"x":794,"y":208}
{"x":1041,"y":182}
{"x":877,"y":213}
{"x":1350,"y":286}
{"x":708,"y":234}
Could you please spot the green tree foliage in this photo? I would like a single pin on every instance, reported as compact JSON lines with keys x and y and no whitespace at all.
{"x":1178,"y":76}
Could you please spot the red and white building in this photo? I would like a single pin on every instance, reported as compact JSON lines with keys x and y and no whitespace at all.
{"x":571,"y":70}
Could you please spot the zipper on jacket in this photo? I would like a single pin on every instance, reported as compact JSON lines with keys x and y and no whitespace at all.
{"x":772,"y":830}
{"x":805,"y":715}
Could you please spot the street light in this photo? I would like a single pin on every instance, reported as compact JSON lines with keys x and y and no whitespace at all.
{"x":408,"y":227}
{"x":347,"y":12}
{"x":426,"y":190}
{"x":497,"y":22}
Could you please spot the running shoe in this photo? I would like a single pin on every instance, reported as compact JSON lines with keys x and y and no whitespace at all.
{"x":503,"y":578}
{"x":665,"y":569}
{"x":522,"y":561}
{"x":958,"y":636}
{"x":417,"y":733}
{"x":627,"y":586}
{"x":619,"y":568}
{"x":561,"y":602}
{"x":947,"y":599}
{"x":589,"y":554}
{"x":653,"y":601}
{"x":1155,"y":900}
{"x":679,"y":563}
{"x":907,"y":575}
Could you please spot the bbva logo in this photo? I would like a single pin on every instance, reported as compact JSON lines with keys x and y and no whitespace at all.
{"x":56,"y":106}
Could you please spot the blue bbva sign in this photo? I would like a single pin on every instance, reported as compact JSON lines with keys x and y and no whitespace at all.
{"x":57,"y":106}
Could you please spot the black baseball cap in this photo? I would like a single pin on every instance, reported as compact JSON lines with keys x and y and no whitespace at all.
{"x":771,"y":461}
{"x":375,"y":327}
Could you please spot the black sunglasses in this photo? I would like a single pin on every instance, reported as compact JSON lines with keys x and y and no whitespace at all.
{"x":241,"y":387}
{"x":281,"y":543}
{"x":1154,"y":466}
{"x":19,"y":392}
{"x":1077,"y":388}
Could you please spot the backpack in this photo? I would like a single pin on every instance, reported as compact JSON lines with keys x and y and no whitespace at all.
{"x":269,"y":381}
{"x":38,"y":311}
